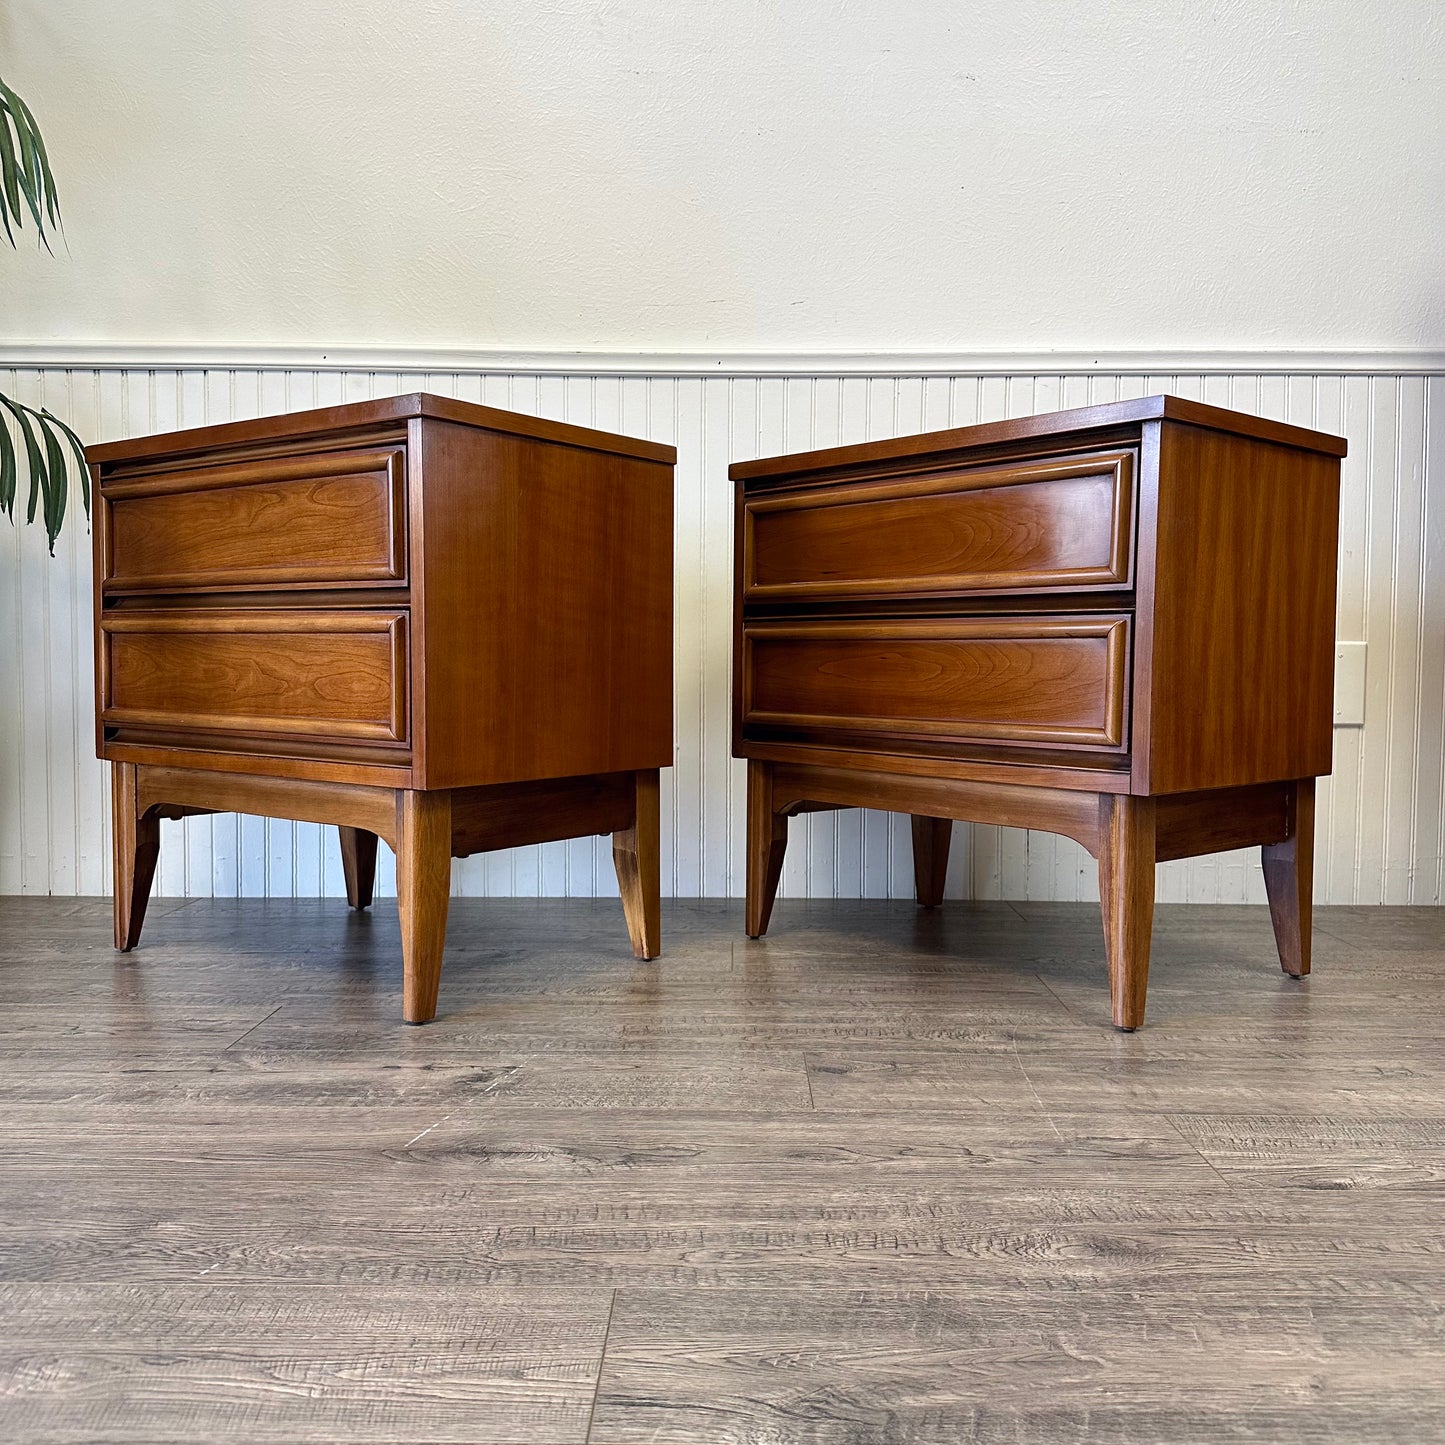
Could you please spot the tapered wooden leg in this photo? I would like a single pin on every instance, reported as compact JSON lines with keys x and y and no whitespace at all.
{"x":1289,"y":877}
{"x":135,"y":847}
{"x":767,"y":843}
{"x":1126,"y":895}
{"x":423,"y":891}
{"x":358,"y":864}
{"x":636,"y":854}
{"x":931,"y":837}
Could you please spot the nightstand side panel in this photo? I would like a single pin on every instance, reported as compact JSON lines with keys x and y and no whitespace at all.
{"x":542,"y":600}
{"x":1238,"y":647}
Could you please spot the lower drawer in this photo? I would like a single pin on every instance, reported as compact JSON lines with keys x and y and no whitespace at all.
{"x":1044,"y":681}
{"x":326,"y":675}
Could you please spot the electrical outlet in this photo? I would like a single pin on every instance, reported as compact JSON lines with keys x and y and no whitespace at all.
{"x":1349,"y":684}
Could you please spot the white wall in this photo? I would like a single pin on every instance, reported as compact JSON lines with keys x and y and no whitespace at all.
{"x":856,"y":174}
{"x":248,"y":186}
{"x":1380,"y":815}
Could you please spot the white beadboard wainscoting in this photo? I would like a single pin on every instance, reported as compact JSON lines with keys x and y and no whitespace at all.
{"x":1380,"y":815}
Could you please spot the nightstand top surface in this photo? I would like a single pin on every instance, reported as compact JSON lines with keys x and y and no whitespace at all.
{"x":1080,"y":420}
{"x":360,"y":415}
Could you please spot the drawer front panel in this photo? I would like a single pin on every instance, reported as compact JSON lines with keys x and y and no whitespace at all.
{"x":1035,"y":526}
{"x":318,"y":521}
{"x":1051,"y":681}
{"x":326,"y":675}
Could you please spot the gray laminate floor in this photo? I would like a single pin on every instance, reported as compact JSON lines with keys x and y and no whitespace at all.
{"x":885,"y":1177}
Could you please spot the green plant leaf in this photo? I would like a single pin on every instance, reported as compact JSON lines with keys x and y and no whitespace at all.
{"x":45,"y":437}
{"x":9,"y":174}
{"x":25,"y":176}
{"x":45,"y":181}
{"x":78,"y":447}
{"x":42,"y":483}
{"x":7,"y":471}
{"x":26,"y":169}
{"x":59,"y":483}
{"x":33,"y":455}
{"x":29,"y":177}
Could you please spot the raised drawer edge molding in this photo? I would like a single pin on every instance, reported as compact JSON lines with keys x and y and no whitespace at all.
{"x":382,"y":563}
{"x":1113,"y":571}
{"x":1111,"y":734}
{"x":391,"y":625}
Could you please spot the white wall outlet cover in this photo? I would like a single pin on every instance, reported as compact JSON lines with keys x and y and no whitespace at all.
{"x":1349,"y":684}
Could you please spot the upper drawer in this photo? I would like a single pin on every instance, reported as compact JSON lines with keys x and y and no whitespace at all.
{"x":1041,"y":681}
{"x":316,"y":521}
{"x":330,"y":675}
{"x":1048,"y":525}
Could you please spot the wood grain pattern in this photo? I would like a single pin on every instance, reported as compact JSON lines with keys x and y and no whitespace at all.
{"x":767,"y":846}
{"x":318,"y":674}
{"x":1126,"y":893}
{"x":1075,"y":422}
{"x":575,"y":656}
{"x":1188,"y":824}
{"x":361,"y":416}
{"x":637,"y":856}
{"x":423,"y":892}
{"x":1013,"y":804}
{"x":512,"y":815}
{"x":368,"y":765}
{"x":931,"y":837}
{"x":886,"y":1176}
{"x":317,"y":521}
{"x":1289,"y":879}
{"x":137,"y":834}
{"x":1073,"y":772}
{"x":344,"y":804}
{"x":1237,"y":586}
{"x":1038,"y":526}
{"x":358,"y":862}
{"x":281,"y":1365}
{"x":1060,"y":682}
{"x":1036,"y":1366}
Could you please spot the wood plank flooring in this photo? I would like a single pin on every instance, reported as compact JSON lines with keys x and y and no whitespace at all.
{"x":886,"y":1176}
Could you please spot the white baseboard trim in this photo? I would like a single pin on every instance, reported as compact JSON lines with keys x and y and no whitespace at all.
{"x":165,"y":356}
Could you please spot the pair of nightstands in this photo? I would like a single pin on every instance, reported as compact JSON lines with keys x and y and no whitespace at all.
{"x":450,"y":627}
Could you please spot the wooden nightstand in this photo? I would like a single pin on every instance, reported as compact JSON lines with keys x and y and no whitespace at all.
{"x":417,"y":619}
{"x":1115,"y":623}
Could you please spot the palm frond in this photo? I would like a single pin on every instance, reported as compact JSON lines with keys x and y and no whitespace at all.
{"x":45,"y":439}
{"x":8,"y":471}
{"x":25,"y":175}
{"x":26,"y":183}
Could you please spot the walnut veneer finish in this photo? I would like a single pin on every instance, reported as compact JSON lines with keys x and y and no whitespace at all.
{"x":1115,"y":623}
{"x":417,"y":619}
